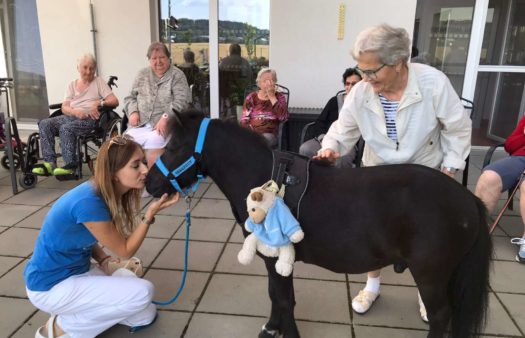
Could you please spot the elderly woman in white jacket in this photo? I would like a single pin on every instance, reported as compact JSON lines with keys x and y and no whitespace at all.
{"x":406,"y":113}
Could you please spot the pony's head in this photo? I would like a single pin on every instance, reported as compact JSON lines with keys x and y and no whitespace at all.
{"x":179,"y":151}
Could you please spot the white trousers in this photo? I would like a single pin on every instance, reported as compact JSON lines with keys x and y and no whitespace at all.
{"x":89,"y":304}
{"x":147,"y":137}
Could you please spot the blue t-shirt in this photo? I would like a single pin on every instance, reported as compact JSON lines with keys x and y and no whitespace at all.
{"x":63,"y":247}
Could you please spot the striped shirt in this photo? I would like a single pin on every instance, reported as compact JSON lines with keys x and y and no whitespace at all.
{"x":390,"y":109}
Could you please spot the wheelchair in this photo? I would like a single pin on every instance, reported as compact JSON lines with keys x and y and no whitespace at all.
{"x":108,"y":125}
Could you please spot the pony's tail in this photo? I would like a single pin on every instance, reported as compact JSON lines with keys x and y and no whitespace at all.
{"x":470,"y":285}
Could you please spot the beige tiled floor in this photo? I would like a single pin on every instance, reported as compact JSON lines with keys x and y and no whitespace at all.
{"x":225,"y":299}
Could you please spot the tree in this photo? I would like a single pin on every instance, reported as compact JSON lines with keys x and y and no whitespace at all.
{"x":188,"y":36}
{"x":249,"y":35}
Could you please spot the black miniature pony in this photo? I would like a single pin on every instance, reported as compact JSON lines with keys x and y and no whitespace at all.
{"x":354,"y":220}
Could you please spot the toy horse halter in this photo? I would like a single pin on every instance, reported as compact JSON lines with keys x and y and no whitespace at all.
{"x":172,"y":175}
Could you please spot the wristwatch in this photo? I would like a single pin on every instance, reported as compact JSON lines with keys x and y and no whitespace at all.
{"x":148,"y":221}
{"x":451,"y":170}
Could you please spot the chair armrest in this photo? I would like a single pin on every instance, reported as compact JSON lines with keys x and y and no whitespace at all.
{"x":55,"y":106}
{"x":305,"y":130}
{"x":490,"y":153}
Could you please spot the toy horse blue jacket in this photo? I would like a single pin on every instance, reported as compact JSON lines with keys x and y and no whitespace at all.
{"x":277,"y":227}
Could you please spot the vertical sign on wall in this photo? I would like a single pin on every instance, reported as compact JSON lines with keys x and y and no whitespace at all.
{"x":341,"y":23}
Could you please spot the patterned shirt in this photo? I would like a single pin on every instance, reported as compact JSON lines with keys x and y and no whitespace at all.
{"x":390,"y":109}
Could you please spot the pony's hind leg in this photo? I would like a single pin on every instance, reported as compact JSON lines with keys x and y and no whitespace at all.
{"x":281,"y":292}
{"x":438,"y":308}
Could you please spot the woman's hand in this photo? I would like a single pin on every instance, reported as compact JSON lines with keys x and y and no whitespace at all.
{"x":327,"y":155}
{"x":165,"y":201}
{"x":94,"y":113}
{"x":134,"y":119}
{"x":104,"y":265}
{"x":162,"y":127}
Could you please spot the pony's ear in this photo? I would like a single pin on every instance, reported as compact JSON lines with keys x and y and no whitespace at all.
{"x":176,"y":114}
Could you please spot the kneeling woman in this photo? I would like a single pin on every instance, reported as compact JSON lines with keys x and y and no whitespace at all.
{"x":83,"y":299}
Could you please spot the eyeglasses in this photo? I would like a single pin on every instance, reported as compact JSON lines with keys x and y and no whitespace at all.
{"x":370,"y":73}
{"x":119,"y":140}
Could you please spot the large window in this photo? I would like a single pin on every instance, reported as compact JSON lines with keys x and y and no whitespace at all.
{"x":243,"y":46}
{"x":21,"y":36}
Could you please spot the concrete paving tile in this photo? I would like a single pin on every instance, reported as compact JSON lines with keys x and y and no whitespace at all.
{"x":6,"y":263}
{"x":53,"y":183}
{"x":323,"y":330}
{"x":237,"y":235}
{"x":229,"y":263}
{"x":165,"y":226}
{"x":514,"y":305}
{"x":167,"y":283}
{"x":498,"y":321}
{"x":18,"y":241}
{"x":178,"y":209}
{"x":202,"y":256}
{"x":371,"y":331}
{"x":29,"y":328}
{"x":12,"y":283}
{"x":207,"y":229}
{"x":150,"y":249}
{"x":214,"y":192}
{"x":168,"y":325}
{"x":35,"y":220}
{"x":14,"y":313}
{"x":397,"y":307}
{"x":507,"y":277}
{"x":223,"y":326}
{"x":12,"y":214}
{"x":303,"y":270}
{"x":512,"y":225}
{"x":5,"y":193}
{"x":321,"y":301}
{"x":213,"y":208}
{"x":503,"y":249}
{"x":36,"y":196}
{"x":235,"y":294}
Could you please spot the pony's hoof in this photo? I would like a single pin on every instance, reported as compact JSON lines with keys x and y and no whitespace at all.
{"x":244,"y":257}
{"x":267,"y":333}
{"x":297,"y":236}
{"x":284,"y":269}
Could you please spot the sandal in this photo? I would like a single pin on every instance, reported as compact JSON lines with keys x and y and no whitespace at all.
{"x":363,"y":301}
{"x":50,"y":332}
{"x":133,"y":264}
{"x":44,"y":169}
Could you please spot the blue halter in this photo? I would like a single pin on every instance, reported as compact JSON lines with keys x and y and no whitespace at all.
{"x":187,"y":164}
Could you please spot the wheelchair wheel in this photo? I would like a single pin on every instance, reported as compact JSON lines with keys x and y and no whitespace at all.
{"x":5,"y":162}
{"x":114,"y":129}
{"x":28,"y":181}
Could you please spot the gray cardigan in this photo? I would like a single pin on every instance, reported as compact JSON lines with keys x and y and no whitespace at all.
{"x":152,"y":97}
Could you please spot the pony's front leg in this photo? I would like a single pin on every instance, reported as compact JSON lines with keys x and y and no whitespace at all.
{"x":284,"y":265}
{"x":281,"y":292}
{"x":245,"y":256}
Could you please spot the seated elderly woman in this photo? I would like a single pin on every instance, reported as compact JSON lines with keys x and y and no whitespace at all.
{"x":84,"y":97}
{"x":502,"y":175}
{"x":266,"y":108}
{"x":156,"y":92}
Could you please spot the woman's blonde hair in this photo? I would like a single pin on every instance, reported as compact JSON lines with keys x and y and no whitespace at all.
{"x":113,"y":155}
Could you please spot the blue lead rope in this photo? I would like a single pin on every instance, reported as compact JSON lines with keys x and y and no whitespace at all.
{"x":186,"y":245}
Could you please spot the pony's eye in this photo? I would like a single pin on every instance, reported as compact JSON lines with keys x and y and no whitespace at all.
{"x":253,"y":209}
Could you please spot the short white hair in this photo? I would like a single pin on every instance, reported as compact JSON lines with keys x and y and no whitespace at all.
{"x":390,"y":44}
{"x":89,"y":57}
{"x":266,"y":70}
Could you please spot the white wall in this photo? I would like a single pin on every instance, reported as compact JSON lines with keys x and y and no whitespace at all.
{"x":124,"y":31}
{"x":305,"y":51}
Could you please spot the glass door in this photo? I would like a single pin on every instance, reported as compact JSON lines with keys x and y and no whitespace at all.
{"x":500,"y":86}
{"x":184,"y":27}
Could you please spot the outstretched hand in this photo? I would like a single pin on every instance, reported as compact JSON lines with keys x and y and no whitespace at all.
{"x":327,"y":155}
{"x":165,"y":201}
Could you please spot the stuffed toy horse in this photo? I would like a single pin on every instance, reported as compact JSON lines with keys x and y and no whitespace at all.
{"x":273,"y":228}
